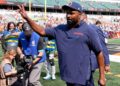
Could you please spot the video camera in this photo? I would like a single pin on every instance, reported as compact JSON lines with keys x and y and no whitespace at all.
{"x":22,"y":64}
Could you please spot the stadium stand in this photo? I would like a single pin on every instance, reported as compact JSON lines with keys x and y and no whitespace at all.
{"x":88,"y":5}
{"x":107,"y":12}
{"x":21,"y":1}
{"x":11,"y":0}
{"x":84,"y":5}
{"x":51,"y":3}
{"x":110,"y":5}
{"x":38,"y":2}
{"x":96,"y":5}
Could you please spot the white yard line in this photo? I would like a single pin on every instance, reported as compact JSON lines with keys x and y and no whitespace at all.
{"x":114,"y":58}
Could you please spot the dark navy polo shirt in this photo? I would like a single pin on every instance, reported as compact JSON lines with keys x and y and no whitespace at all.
{"x":74,"y":47}
{"x":101,"y":36}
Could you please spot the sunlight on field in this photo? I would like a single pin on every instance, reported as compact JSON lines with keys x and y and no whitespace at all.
{"x":113,"y":41}
{"x":117,"y":54}
{"x":109,"y":73}
{"x":113,"y":77}
{"x":118,"y":75}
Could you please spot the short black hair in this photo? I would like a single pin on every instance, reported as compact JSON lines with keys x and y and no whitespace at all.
{"x":19,"y":23}
{"x":98,"y":22}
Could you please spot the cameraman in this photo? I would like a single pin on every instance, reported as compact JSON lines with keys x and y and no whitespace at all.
{"x":30,"y":45}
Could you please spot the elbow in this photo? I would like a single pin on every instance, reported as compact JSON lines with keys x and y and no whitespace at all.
{"x":99,"y":53}
{"x":41,"y":32}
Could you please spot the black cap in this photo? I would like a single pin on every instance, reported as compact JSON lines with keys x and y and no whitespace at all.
{"x":27,"y":28}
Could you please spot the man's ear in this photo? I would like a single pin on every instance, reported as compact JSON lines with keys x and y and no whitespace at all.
{"x":83,"y":16}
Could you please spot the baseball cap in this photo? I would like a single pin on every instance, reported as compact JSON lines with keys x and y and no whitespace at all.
{"x":74,"y":6}
{"x":26,"y":28}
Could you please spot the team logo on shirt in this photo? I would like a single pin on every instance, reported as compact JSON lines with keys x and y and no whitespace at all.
{"x":33,"y":43}
{"x":78,"y":33}
{"x":22,"y":39}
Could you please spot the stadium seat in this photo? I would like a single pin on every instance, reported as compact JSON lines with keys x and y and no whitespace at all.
{"x":110,"y":5}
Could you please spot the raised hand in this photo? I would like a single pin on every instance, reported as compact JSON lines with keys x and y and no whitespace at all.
{"x":22,"y":11}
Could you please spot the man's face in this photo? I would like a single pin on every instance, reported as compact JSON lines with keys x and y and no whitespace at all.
{"x":73,"y":17}
{"x":28,"y":33}
{"x":27,"y":30}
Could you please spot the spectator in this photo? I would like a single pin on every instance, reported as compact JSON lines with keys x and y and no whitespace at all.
{"x":50,"y":64}
{"x":19,"y":26}
{"x":9,"y":72}
{"x":10,"y":37}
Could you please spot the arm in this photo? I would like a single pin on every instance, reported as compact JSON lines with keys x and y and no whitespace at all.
{"x":100,"y":59}
{"x":11,"y":73}
{"x":38,"y":57}
{"x":40,"y":54}
{"x":97,"y":48}
{"x":104,"y":49}
{"x":19,"y":50}
{"x":107,"y":60}
{"x":35,"y":27}
{"x":8,"y":70}
{"x":40,"y":50}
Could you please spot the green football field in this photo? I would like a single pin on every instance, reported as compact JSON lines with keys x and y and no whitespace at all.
{"x":113,"y":78}
{"x":114,"y":41}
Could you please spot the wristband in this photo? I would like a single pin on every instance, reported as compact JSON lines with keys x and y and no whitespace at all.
{"x":39,"y":56}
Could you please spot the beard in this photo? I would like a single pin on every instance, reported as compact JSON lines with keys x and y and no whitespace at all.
{"x":71,"y":22}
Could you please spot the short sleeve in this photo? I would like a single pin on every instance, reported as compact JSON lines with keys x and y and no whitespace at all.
{"x":40,"y":44}
{"x":7,"y":68}
{"x":50,"y":32}
{"x":94,"y":41}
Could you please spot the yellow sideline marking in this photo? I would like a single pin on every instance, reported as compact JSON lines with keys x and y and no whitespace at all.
{"x":109,"y":73}
{"x":117,"y":75}
{"x":117,"y":54}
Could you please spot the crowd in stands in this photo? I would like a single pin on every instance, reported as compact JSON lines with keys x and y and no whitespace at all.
{"x":111,"y":30}
{"x":110,"y":25}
